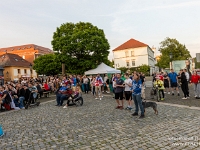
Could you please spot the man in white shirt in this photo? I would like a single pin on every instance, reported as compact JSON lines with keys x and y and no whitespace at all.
{"x":188,"y":79}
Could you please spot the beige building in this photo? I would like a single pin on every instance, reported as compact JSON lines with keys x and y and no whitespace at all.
{"x":16,"y":67}
{"x":133,"y":53}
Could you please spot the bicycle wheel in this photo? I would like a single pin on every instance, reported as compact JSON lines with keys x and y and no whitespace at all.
{"x":152,"y":94}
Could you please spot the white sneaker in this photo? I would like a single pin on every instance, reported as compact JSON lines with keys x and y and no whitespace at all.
{"x":65,"y":107}
{"x":22,"y":108}
{"x":168,"y":92}
{"x":184,"y":98}
{"x":165,"y":92}
{"x":195,"y":96}
{"x":100,"y":99}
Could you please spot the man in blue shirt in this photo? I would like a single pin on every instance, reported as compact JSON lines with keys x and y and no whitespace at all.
{"x":61,"y":95}
{"x":173,"y":77}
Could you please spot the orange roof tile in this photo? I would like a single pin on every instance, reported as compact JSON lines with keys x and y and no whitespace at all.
{"x":8,"y":60}
{"x":132,"y":43}
{"x":41,"y":49}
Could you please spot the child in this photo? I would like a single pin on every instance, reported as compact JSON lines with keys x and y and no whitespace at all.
{"x":76,"y":92}
{"x":159,"y":83}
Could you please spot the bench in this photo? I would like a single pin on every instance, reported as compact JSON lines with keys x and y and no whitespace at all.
{"x":46,"y":94}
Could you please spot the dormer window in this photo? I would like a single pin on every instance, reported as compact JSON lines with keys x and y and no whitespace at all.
{"x":16,"y":59}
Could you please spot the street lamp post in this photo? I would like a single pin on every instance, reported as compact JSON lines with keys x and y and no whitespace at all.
{"x":170,"y":56}
{"x":31,"y":67}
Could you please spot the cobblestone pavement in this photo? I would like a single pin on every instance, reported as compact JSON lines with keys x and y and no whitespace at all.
{"x":98,"y":125}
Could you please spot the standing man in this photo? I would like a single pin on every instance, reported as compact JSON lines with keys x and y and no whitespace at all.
{"x":119,"y":87}
{"x":142,"y":77}
{"x":188,"y":80}
{"x":173,"y":81}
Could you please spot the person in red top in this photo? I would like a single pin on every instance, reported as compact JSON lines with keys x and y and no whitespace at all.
{"x":195,"y":80}
{"x":46,"y":87}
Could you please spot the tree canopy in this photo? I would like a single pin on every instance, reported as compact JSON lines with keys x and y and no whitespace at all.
{"x":81,"y":46}
{"x":47,"y":64}
{"x":178,"y":51}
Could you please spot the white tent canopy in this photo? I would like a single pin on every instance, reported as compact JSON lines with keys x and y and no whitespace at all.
{"x":102,"y":69}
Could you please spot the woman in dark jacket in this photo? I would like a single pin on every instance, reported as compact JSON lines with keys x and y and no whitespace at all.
{"x":184,"y":84}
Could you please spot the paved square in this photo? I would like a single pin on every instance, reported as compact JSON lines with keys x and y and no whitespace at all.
{"x":98,"y":125}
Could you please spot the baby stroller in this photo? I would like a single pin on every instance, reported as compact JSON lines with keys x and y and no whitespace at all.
{"x":32,"y":101}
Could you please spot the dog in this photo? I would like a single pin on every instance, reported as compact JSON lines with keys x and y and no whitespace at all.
{"x":150,"y":104}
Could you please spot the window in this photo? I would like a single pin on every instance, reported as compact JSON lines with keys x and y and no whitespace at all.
{"x":132,"y":53}
{"x":31,"y":71}
{"x":23,"y":57}
{"x":127,"y":63}
{"x":16,"y":59}
{"x":133,"y":62}
{"x":18,"y":70}
{"x":25,"y":71}
{"x":126,"y":53}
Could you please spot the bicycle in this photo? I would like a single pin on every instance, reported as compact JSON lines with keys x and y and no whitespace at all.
{"x":155,"y":92}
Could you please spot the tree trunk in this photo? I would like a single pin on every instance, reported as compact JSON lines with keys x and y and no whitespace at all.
{"x":63,"y":69}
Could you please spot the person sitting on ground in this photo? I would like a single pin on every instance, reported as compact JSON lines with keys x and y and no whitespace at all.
{"x":61,"y":94}
{"x":159,"y":83}
{"x":46,"y":86}
{"x":21,"y":96}
{"x":33,"y":90}
{"x":76,"y":93}
{"x":39,"y":88}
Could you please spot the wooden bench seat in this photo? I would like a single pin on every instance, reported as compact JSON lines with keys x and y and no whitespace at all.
{"x":46,"y":94}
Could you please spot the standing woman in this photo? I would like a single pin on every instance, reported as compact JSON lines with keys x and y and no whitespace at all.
{"x":184,"y":83}
{"x":195,"y":80}
{"x":93,"y":85}
{"x":85,"y":83}
{"x":166,"y":83}
{"x":136,"y":89}
{"x":127,"y":91}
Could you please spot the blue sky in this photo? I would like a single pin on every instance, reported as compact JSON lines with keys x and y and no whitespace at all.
{"x":149,"y":21}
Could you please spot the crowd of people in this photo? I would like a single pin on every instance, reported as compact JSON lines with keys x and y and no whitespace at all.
{"x":14,"y":95}
{"x":170,"y":82}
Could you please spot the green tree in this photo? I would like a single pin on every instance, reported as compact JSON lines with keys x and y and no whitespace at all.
{"x":178,"y":51}
{"x":47,"y":64}
{"x":123,"y":69}
{"x":144,"y":69}
{"x":197,"y":64}
{"x":109,"y":63}
{"x":82,"y":46}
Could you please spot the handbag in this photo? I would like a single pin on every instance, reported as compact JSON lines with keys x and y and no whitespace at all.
{"x":1,"y":131}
